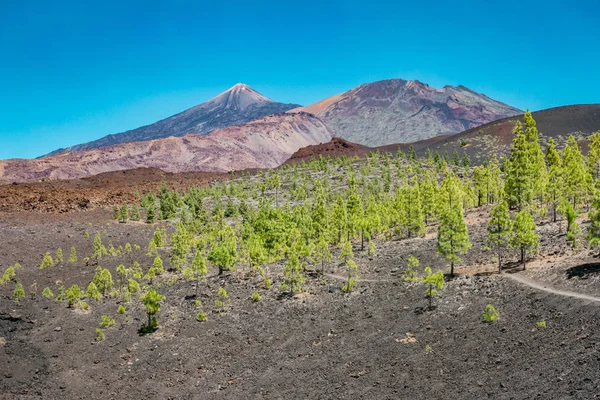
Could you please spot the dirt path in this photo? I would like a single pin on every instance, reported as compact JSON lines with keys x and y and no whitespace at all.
{"x":539,"y":286}
{"x":344,"y":277}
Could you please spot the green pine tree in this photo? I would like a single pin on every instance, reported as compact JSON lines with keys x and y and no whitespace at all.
{"x":499,"y":230}
{"x":524,"y":236}
{"x":453,"y":237}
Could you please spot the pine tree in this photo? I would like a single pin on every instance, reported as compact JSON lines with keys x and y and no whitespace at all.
{"x":275,"y":183}
{"x":158,"y":265}
{"x":47,"y":293}
{"x":103,"y":280}
{"x":434,"y":282}
{"x":574,"y":171}
{"x":412,"y":212}
{"x":72,"y":256}
{"x":150,"y":216}
{"x":59,"y":256}
{"x":339,"y":217}
{"x":481,"y":181}
{"x":519,"y":187}
{"x":593,"y":230}
{"x":123,"y":214}
{"x":555,"y":187}
{"x":452,"y":237}
{"x":293,"y":280}
{"x":346,"y":251}
{"x":322,"y":253}
{"x":199,"y":268}
{"x":99,"y":250}
{"x":224,"y":254}
{"x":410,"y":275}
{"x":47,"y":261}
{"x":182,"y":242}
{"x":537,"y":164}
{"x":524,"y":236}
{"x":73,"y":295}
{"x":151,"y":300}
{"x":19,"y":292}
{"x":594,"y":156}
{"x":499,"y":230}
{"x":573,"y":229}
{"x":134,"y":213}
{"x":352,"y":268}
{"x":495,"y":184}
{"x":428,"y":191}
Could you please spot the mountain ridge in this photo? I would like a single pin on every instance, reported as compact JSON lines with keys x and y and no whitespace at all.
{"x":237,"y":105}
{"x":266,"y":142}
{"x":397,"y":110}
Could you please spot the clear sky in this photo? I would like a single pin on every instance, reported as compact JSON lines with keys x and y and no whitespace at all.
{"x":71,"y":72}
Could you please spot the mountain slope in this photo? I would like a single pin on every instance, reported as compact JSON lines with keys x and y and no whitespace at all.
{"x":263,"y":143}
{"x":558,"y":123}
{"x":395,"y":110}
{"x":238,"y":105}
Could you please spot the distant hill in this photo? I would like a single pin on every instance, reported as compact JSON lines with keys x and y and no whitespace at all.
{"x":335,"y":148}
{"x":238,"y":105}
{"x":558,"y":123}
{"x":263,"y":143}
{"x":400,"y":111}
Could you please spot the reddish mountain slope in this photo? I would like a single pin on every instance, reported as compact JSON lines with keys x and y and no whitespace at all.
{"x":263,"y":143}
{"x":335,"y":148}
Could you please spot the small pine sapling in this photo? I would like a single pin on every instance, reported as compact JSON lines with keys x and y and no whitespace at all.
{"x":293,"y":280}
{"x":434,"y":282}
{"x":346,"y":252}
{"x":222,"y":299}
{"x":59,"y":256}
{"x":47,"y":293}
{"x":33,"y":289}
{"x":371,"y":251}
{"x":92,"y":292}
{"x":490,"y":314}
{"x":256,"y":297}
{"x":73,"y":295}
{"x":72,"y":256}
{"x":201,"y":316}
{"x":99,"y":335}
{"x":19,"y":292}
{"x":151,"y":300}
{"x":410,"y":275}
{"x":106,"y":322}
{"x":123,"y":214}
{"x":352,"y":268}
{"x":9,"y":273}
{"x":47,"y":261}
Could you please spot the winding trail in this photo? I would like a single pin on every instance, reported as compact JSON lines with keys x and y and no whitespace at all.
{"x":344,"y":277}
{"x":539,"y":286}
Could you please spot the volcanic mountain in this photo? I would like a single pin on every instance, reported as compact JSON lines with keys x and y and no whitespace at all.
{"x":396,"y":111}
{"x":263,"y":143}
{"x":235,"y":106}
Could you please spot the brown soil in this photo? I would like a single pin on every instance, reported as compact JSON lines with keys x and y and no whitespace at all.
{"x":335,"y":148}
{"x":101,"y":190}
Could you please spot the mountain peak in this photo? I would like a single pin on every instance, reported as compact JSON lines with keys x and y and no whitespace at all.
{"x":239,"y":97}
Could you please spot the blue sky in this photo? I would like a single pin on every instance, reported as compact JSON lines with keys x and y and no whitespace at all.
{"x":71,"y":72}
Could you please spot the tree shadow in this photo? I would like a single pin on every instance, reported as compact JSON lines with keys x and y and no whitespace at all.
{"x":513,"y":267}
{"x":148,"y":327}
{"x":583,"y":271}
